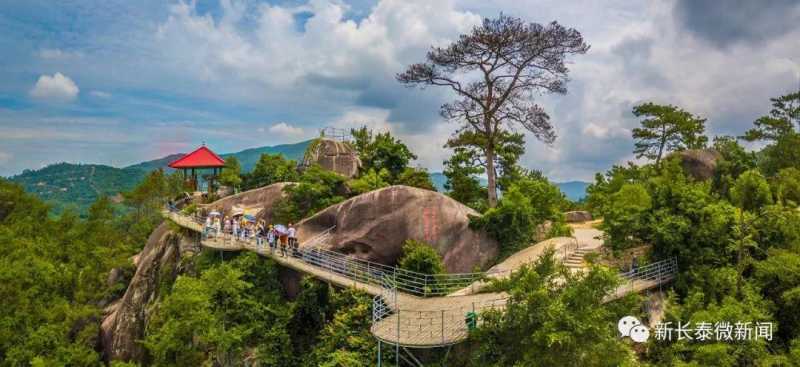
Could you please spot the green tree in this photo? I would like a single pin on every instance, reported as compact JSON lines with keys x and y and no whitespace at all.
{"x":416,"y":177}
{"x":269,"y":169}
{"x":421,"y":258}
{"x":598,"y":194}
{"x":152,"y":193}
{"x":508,"y":147}
{"x":735,"y":161}
{"x":369,"y":181}
{"x":783,"y":153}
{"x":665,"y":129}
{"x":495,"y":70}
{"x":346,"y":340}
{"x":316,"y":189}
{"x":230,"y":175}
{"x":787,"y":187}
{"x":309,"y":314}
{"x":553,"y":318}
{"x":625,"y":217}
{"x":462,"y":183}
{"x":781,"y":121}
{"x":381,"y":151}
{"x":524,"y":207}
{"x":751,"y":191}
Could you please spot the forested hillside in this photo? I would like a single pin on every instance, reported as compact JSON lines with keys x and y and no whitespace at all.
{"x":65,"y":185}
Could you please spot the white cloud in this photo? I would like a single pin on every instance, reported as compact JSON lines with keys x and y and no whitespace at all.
{"x":56,"y":88}
{"x":285,"y":129}
{"x":100,"y":94}
{"x":5,"y":157}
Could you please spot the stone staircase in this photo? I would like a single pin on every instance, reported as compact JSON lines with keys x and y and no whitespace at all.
{"x":575,"y":260}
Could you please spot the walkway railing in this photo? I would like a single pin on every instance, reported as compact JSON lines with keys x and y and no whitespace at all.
{"x":364,"y":271}
{"x":646,"y":277}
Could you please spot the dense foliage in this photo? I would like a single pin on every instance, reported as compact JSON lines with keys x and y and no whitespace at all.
{"x":736,"y":238}
{"x":316,"y":189}
{"x":53,"y":275}
{"x":520,"y":217}
{"x":232,"y":312}
{"x":77,"y":186}
{"x":421,"y":258}
{"x":269,"y":169}
{"x":554,"y":318}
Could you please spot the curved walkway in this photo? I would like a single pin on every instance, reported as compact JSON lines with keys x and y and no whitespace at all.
{"x":415,"y":310}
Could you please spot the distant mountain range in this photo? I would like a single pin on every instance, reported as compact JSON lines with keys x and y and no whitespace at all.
{"x":574,"y":190}
{"x":79,"y":185}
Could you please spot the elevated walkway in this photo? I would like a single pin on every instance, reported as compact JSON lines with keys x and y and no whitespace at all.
{"x":418,"y":310}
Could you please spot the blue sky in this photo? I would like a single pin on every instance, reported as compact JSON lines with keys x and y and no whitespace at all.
{"x":117,"y":82}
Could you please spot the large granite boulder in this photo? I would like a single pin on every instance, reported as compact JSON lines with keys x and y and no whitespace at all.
{"x":125,"y":320}
{"x":333,"y":155}
{"x":262,"y":200}
{"x":373,"y":226}
{"x":578,"y":216}
{"x":699,"y":163}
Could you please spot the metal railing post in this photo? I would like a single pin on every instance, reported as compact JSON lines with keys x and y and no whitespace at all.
{"x":397,"y":342}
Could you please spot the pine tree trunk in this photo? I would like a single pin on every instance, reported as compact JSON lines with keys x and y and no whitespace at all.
{"x":490,"y":173}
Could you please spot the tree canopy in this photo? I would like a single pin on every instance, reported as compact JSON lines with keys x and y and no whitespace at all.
{"x":665,"y":129}
{"x":495,"y":70}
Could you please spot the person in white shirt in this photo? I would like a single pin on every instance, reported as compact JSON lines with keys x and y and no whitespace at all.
{"x":292,"y":232}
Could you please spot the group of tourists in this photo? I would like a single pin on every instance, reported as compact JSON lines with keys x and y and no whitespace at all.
{"x":245,"y":228}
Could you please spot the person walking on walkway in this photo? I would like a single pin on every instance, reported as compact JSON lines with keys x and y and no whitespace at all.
{"x":283,"y":239}
{"x":271,"y":238}
{"x":292,"y":234}
{"x":260,"y":234}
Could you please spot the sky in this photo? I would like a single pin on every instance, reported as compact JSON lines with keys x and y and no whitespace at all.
{"x":118,"y":82}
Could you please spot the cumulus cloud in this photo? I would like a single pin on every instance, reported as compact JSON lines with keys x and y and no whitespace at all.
{"x":285,"y":129}
{"x":329,"y":57}
{"x":324,"y":62}
{"x":55,"y":88}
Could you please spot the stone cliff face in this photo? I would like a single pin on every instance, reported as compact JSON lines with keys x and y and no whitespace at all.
{"x":333,"y":155}
{"x":126,"y":319}
{"x":373,"y":226}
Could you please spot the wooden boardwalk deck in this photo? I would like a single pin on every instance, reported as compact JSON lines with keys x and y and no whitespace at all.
{"x":410,"y":320}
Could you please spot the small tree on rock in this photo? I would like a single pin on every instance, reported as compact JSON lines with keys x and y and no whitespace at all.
{"x":666,"y":128}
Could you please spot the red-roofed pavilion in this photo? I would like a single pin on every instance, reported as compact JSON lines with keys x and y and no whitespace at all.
{"x":200,"y":159}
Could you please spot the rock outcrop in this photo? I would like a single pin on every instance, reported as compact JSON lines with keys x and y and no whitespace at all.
{"x":262,"y":199}
{"x":333,"y":155}
{"x":125,"y":321}
{"x":578,"y":216}
{"x":373,"y":226}
{"x":699,"y":163}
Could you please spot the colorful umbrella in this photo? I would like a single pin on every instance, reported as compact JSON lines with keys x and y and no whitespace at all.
{"x":281,"y":229}
{"x":249,"y":217}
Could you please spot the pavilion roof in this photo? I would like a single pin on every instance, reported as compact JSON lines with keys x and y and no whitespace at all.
{"x":200,"y":158}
